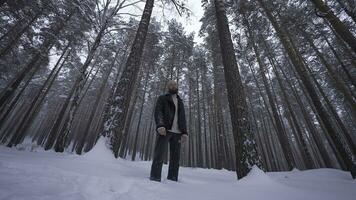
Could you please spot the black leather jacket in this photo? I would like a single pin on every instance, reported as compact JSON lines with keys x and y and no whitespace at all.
{"x":165,"y":110}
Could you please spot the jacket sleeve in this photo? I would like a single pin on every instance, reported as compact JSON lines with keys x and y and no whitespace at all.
{"x":184,"y":121}
{"x":159,"y":117}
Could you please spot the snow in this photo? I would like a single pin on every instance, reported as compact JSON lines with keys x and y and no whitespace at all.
{"x":257,"y":176}
{"x":37,"y":174}
{"x":101,"y":152}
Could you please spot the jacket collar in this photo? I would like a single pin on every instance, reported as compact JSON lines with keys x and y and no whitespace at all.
{"x":170,"y":97}
{"x":169,"y":94}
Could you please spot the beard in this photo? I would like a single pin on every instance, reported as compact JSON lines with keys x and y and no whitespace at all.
{"x":173,"y":91}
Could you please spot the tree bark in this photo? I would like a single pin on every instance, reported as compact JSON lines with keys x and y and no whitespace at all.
{"x":245,"y":146}
{"x":124,"y":91}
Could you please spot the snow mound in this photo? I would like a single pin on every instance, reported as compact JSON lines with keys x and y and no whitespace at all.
{"x":257,"y":176}
{"x":28,"y":145}
{"x":100,"y":151}
{"x":295,"y":170}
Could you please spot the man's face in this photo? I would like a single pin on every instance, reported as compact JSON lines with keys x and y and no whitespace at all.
{"x":172,"y":87}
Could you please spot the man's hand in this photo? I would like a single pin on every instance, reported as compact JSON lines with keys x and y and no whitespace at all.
{"x":184,"y":138}
{"x":162,"y":130}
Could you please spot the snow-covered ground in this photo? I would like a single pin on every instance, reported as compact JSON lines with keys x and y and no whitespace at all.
{"x":98,"y":176}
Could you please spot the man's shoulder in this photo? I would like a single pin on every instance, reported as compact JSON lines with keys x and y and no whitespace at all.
{"x":166,"y":95}
{"x":162,"y":96}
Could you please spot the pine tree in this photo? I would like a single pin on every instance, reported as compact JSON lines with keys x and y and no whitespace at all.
{"x":245,"y":145}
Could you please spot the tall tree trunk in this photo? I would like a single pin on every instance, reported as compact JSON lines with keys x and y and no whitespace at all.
{"x":245,"y":146}
{"x":124,"y":91}
{"x":199,"y":131}
{"x":205,"y":113}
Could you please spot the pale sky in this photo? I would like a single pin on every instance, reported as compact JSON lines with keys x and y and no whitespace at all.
{"x":191,"y":24}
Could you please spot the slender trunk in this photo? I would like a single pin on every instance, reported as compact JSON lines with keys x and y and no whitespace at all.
{"x":308,"y":120}
{"x":140,"y":117}
{"x":78,"y":87}
{"x":344,"y":68}
{"x":199,"y":131}
{"x":335,"y":22}
{"x":30,"y":114}
{"x":339,"y":84}
{"x":86,"y":131}
{"x":294,"y":122}
{"x":124,"y":91}
{"x":204,"y":90}
{"x":10,"y":89}
{"x":295,"y":57}
{"x":15,"y":39}
{"x":282,"y":135}
{"x":347,"y":136}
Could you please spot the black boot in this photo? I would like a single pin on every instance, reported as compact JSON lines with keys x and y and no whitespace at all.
{"x":155,"y":179}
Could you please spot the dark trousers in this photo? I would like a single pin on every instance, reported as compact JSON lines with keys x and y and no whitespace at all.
{"x":160,"y":151}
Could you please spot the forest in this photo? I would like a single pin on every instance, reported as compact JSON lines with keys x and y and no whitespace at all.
{"x":270,"y":83}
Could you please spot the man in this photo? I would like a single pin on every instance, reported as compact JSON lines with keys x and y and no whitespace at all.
{"x":171,"y":127}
